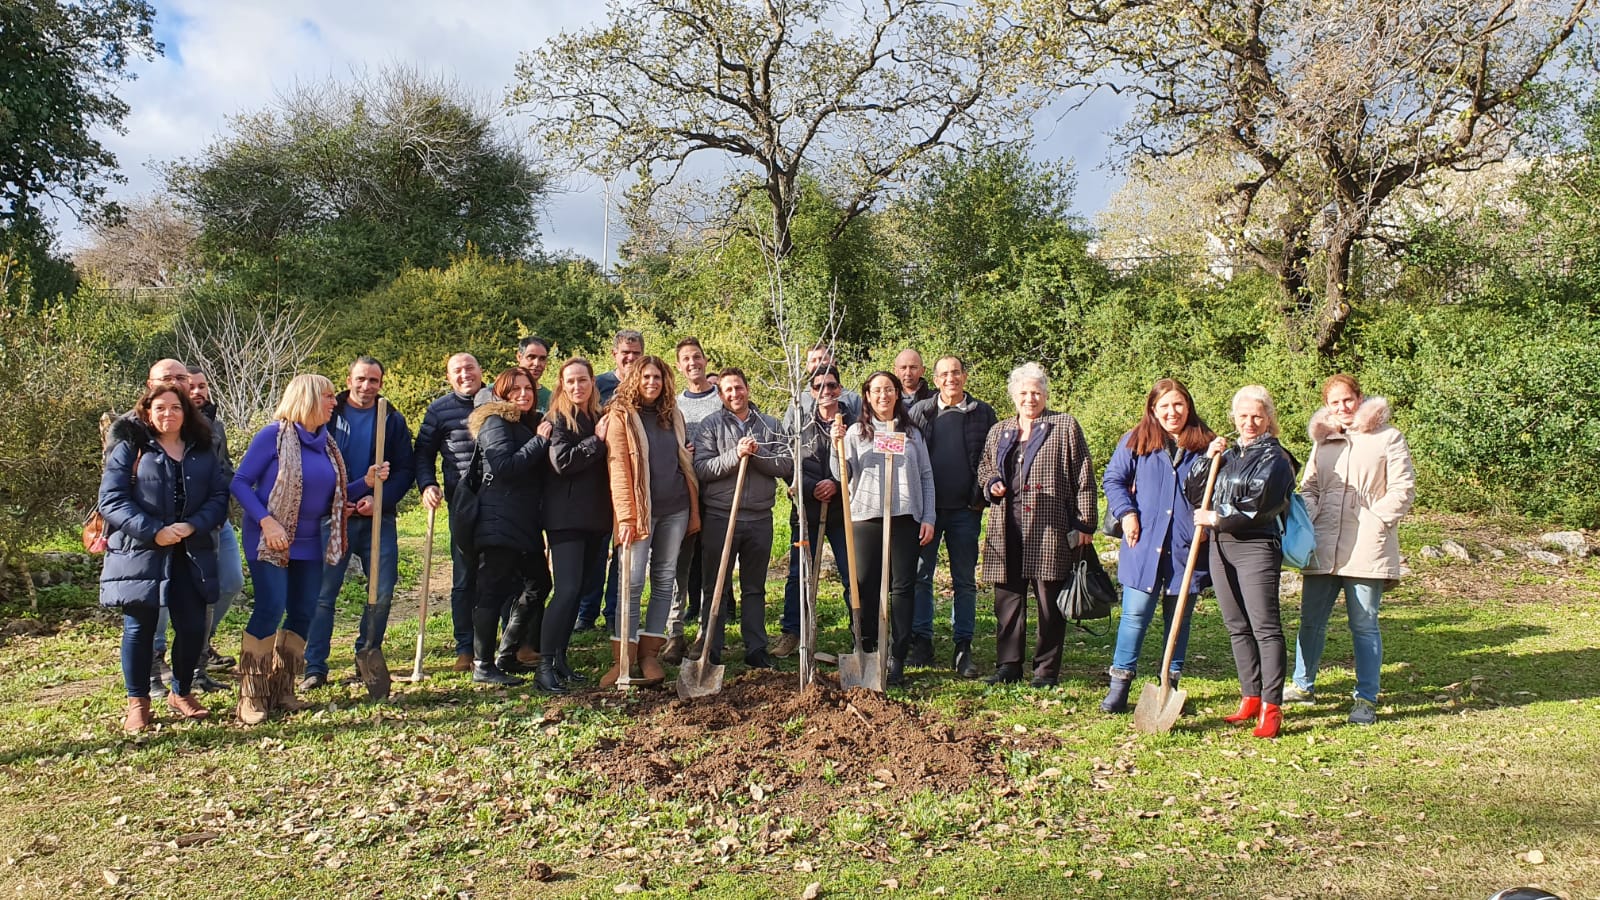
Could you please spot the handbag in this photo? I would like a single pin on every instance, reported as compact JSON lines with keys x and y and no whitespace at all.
{"x":1089,"y":593}
{"x":465,"y":502}
{"x":1110,"y":525}
{"x":96,"y":536}
{"x":1299,"y":535}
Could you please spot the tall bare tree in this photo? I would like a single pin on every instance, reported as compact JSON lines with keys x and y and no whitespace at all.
{"x":151,"y":245}
{"x":853,"y":93}
{"x":1328,"y":106}
{"x":250,"y":356}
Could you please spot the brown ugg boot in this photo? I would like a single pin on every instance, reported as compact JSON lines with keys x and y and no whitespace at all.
{"x":139,"y":715}
{"x":289,"y":665}
{"x":257,"y":657}
{"x":650,"y":672}
{"x":609,"y":679}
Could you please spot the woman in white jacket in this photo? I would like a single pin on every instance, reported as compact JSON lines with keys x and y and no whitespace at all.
{"x":911,"y":514}
{"x":1357,"y":486}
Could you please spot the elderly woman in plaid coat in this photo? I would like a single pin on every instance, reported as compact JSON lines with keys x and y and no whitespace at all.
{"x":1039,"y":481}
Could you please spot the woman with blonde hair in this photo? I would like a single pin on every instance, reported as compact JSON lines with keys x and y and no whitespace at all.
{"x":291,"y":483}
{"x":655,"y":504}
{"x":1254,"y":481}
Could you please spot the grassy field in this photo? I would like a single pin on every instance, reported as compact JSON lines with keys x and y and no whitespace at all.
{"x":1481,"y":774}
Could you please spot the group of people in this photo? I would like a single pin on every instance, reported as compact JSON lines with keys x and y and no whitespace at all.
{"x":564,"y":505}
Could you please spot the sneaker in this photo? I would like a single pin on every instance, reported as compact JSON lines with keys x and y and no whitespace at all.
{"x":1363,"y":713}
{"x":312,"y":681}
{"x":158,"y":688}
{"x":1295,"y":695}
{"x":785,"y":646}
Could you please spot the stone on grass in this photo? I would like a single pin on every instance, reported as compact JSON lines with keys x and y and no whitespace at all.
{"x":1430,"y":552}
{"x":1546,"y":557}
{"x":1455,"y":551}
{"x":1572,"y":543}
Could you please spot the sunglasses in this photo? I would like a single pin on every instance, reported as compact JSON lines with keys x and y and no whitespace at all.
{"x":831,"y":387}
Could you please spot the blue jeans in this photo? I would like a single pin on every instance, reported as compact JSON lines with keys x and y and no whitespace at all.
{"x":654,"y":560}
{"x":589,"y":605}
{"x":230,"y":584}
{"x":791,"y":588}
{"x":139,"y":623}
{"x":375,"y":618}
{"x":1362,"y":597}
{"x":1138,"y":611}
{"x":285,"y":598}
{"x":959,"y":529}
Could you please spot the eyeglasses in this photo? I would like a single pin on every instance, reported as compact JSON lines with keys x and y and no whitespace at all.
{"x":521,"y":389}
{"x":831,"y":387}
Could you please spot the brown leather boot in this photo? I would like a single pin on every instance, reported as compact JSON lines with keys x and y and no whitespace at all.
{"x":672,"y":653}
{"x":185,"y":705}
{"x":257,"y":656}
{"x":609,"y":679}
{"x":139,"y":715}
{"x":464,"y":662}
{"x":650,"y":672}
{"x":528,"y":657}
{"x":288,"y":668}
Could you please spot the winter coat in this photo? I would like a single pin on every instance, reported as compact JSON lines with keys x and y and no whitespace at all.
{"x":1358,"y":484}
{"x":1058,"y":500}
{"x":716,"y":464}
{"x":515,"y":463}
{"x":913,"y":477}
{"x":578,"y":495}
{"x":816,"y":464}
{"x":1252,"y":490}
{"x":1152,"y":486}
{"x":443,"y":436}
{"x":628,"y":463}
{"x":137,"y":504}
{"x":976,"y":423}
{"x":396,"y":450}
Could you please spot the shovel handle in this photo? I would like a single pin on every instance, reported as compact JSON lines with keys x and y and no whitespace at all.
{"x":427,"y":579}
{"x":377,"y":508}
{"x":849,"y":525}
{"x":727,"y":547}
{"x":1181,"y":609}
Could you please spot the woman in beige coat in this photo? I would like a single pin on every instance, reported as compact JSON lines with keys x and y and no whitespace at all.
{"x":1357,"y":487}
{"x":655,"y":501}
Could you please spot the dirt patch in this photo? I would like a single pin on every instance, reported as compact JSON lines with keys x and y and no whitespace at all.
{"x":821,"y":747}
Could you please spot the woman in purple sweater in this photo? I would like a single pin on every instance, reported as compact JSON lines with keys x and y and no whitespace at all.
{"x":289,"y":482}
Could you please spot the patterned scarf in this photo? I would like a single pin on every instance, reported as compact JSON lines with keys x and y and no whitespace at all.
{"x":283,"y":503}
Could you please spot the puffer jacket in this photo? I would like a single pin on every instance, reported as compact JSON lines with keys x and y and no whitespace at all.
{"x":1357,"y":486}
{"x":716,"y":463}
{"x":578,"y":496}
{"x":628,"y":464}
{"x":137,"y":504}
{"x":443,"y":436}
{"x":515,"y":462}
{"x":816,"y":463}
{"x":1252,"y":490}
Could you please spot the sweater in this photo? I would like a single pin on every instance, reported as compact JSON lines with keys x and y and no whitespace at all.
{"x":912,"y":490}
{"x":258,"y":472}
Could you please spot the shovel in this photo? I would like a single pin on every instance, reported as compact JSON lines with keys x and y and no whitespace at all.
{"x":370,"y":664}
{"x":422,"y":619}
{"x":1160,"y":706}
{"x":883,"y":586}
{"x":697,"y":677}
{"x":624,"y":617}
{"x":858,"y":668}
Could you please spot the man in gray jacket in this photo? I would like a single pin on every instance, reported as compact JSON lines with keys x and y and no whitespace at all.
{"x":738,"y":432}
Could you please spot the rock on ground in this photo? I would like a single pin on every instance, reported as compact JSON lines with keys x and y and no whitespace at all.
{"x":1455,"y":550}
{"x":1545,"y":556}
{"x":1572,"y":543}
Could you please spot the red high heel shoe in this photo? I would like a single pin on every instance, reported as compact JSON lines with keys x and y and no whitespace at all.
{"x":1249,"y":708}
{"x":1271,"y":721}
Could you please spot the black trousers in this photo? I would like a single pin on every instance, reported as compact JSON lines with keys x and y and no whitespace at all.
{"x":578,"y":559}
{"x":508,"y":576}
{"x":904,"y":555}
{"x":1245,"y":574}
{"x":752,"y":550}
{"x":1011,"y":624}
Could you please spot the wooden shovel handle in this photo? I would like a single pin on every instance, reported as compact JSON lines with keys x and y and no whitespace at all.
{"x":1181,"y":609}
{"x":727,"y":544}
{"x":377,"y":507}
{"x":849,"y":525}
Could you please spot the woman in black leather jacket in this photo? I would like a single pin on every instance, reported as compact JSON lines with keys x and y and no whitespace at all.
{"x":1254,"y":481}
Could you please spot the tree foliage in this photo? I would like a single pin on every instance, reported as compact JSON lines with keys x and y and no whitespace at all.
{"x":336,"y":187}
{"x":850,"y":94}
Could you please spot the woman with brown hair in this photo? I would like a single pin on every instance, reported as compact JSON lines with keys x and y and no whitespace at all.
{"x":655,"y":503}
{"x":1144,"y":493}
{"x":163,"y":494}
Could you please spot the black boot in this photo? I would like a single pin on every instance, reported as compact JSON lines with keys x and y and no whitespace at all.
{"x":568,"y":677}
{"x":965,"y":665}
{"x":897,"y":672}
{"x":484,"y":624}
{"x":921,"y":651}
{"x":1006,"y":673}
{"x":1116,"y":700}
{"x":518,"y":621}
{"x":548,"y":679}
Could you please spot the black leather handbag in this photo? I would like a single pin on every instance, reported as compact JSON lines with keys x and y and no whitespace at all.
{"x":1089,"y":594}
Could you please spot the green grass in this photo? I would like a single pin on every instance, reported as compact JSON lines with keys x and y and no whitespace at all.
{"x":1485,"y":750}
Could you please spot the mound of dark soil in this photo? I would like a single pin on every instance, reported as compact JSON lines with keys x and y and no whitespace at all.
{"x":821,"y":746}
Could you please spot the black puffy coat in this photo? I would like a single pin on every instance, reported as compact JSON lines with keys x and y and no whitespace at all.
{"x":136,"y":505}
{"x":443,"y":435}
{"x":515,"y":464}
{"x":578,"y":495}
{"x":1252,"y":491}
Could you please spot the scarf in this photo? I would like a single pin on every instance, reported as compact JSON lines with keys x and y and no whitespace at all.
{"x":283,"y":503}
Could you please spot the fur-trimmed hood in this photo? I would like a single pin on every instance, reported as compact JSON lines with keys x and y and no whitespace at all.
{"x":128,"y":429}
{"x":1371,"y":417}
{"x":505,"y":409}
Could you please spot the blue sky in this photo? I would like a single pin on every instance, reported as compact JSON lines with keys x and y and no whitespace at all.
{"x":224,"y":57}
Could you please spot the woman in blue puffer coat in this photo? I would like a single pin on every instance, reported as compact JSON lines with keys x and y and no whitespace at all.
{"x":163,"y":494}
{"x":1144,"y":492}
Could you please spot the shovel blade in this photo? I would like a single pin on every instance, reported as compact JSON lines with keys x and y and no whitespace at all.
{"x":698,"y":678}
{"x":374,"y":672}
{"x":860,"y":670}
{"x":1158,"y":710}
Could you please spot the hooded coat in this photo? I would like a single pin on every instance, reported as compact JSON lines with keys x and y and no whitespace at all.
{"x":137,"y":503}
{"x":515,"y":463}
{"x":1358,"y":485}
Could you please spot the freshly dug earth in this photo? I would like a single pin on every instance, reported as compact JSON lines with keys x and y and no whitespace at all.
{"x":820,"y":747}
